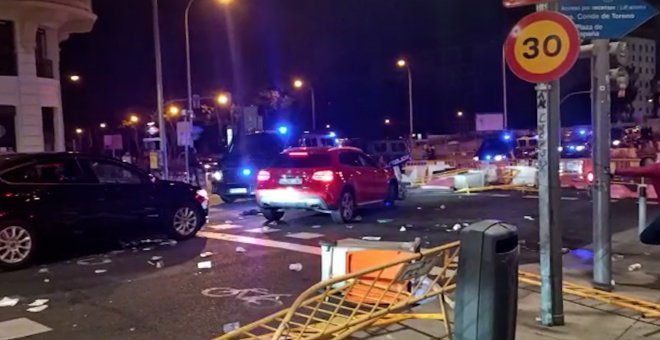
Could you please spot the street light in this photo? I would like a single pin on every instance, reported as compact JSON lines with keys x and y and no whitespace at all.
{"x":223,"y":99}
{"x":459,"y":113}
{"x":387,"y":122}
{"x":79,"y":131}
{"x":174,"y":111}
{"x":327,"y":126}
{"x":134,"y":119}
{"x":299,"y":84}
{"x":103,"y":125}
{"x":74,"y":78}
{"x":402,"y":63}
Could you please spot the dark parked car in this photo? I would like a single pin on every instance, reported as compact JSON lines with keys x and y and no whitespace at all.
{"x":41,"y":194}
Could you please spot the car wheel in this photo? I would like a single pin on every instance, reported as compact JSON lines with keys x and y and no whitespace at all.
{"x":17,"y":245}
{"x":346,"y":211}
{"x":228,"y":199}
{"x":185,"y":221}
{"x":272,"y":215}
{"x":392,"y":194}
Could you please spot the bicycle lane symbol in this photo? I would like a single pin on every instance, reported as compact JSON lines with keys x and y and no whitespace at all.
{"x":251,"y":297}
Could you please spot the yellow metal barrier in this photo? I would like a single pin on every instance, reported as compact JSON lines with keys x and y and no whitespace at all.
{"x":372,"y":297}
{"x":647,"y":309}
{"x":493,"y":187}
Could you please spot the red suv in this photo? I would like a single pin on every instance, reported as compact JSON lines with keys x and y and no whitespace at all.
{"x":331,"y":180}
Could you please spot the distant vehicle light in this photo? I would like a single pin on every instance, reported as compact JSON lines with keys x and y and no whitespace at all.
{"x":590,"y":177}
{"x":283,"y":130}
{"x":580,"y":148}
{"x":246,"y":172}
{"x":489,"y":157}
{"x":263,"y":175}
{"x":571,"y":147}
{"x":207,"y":166}
{"x":475,"y":158}
{"x":560,"y":149}
{"x":616,"y":142}
{"x":582,"y":132}
{"x":332,"y":135}
{"x":217,"y":176}
{"x":323,"y":176}
{"x":506,"y":137}
{"x":499,"y":158}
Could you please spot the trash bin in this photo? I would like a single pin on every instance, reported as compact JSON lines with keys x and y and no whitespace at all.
{"x":487,"y":282}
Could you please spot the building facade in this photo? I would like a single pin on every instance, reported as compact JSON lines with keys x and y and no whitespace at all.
{"x":643,"y":54}
{"x":31,"y":115}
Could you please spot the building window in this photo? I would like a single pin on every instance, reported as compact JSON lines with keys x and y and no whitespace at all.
{"x":7,"y":49}
{"x":7,"y":129}
{"x":48,"y":126}
{"x":44,"y":65}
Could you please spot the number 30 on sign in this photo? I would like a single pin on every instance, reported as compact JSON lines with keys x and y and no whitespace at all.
{"x":542,"y":47}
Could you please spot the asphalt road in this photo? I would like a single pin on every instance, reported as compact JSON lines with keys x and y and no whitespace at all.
{"x":112,"y":285}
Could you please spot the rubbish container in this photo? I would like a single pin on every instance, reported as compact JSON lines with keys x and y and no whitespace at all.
{"x":487,"y":282}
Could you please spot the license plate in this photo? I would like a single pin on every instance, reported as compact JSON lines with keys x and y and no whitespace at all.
{"x":238,"y":191}
{"x":291,"y":181}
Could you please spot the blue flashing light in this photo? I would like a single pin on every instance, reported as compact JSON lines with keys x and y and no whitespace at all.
{"x":283,"y":130}
{"x":507,"y":136}
{"x":582,"y":132}
{"x":489,"y":157}
{"x":332,"y":134}
{"x":571,"y":147}
{"x":246,"y":172}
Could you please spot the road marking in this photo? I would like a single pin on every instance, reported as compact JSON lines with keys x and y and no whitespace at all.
{"x":652,"y":202}
{"x":261,"y":242}
{"x":569,"y":198}
{"x":531,"y":196}
{"x":500,"y":195}
{"x":223,"y":226}
{"x":263,"y":230}
{"x":21,"y":328}
{"x":305,"y":236}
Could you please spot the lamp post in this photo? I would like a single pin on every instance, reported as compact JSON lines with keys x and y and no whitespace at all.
{"x":402,"y":63}
{"x":299,"y":84}
{"x":159,"y":89}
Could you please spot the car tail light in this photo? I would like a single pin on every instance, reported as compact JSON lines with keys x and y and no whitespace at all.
{"x":298,"y":154}
{"x":590,"y":177}
{"x":263,"y":176}
{"x":323,"y":176}
{"x":201,"y":196}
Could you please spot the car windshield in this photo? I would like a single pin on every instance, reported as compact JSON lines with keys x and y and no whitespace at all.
{"x":255,"y":146}
{"x":302,"y":160}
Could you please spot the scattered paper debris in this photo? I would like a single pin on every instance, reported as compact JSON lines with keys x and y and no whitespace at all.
{"x":634,"y":267}
{"x":169,"y":243}
{"x":37,"y":309}
{"x":8,"y":302}
{"x":457,"y":227}
{"x":38,"y":302}
{"x":46,"y":280}
{"x":617,"y":257}
{"x":613,"y":283}
{"x":349,"y":227}
{"x":230,"y":327}
{"x":206,"y":254}
{"x":148,"y":249}
{"x":419,"y":208}
{"x":358,"y":219}
{"x":403,"y":228}
{"x":442,"y":207}
{"x":43,"y":270}
{"x":157,"y":261}
{"x":565,"y":250}
{"x":385,"y":220}
{"x":316,"y":227}
{"x":529,"y":218}
{"x":100,"y":271}
{"x":241,"y":250}
{"x":204,"y":265}
{"x":296,"y":267}
{"x":132,"y":329}
{"x":372,"y":238}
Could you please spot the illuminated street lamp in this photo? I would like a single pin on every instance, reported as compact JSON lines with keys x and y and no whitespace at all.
{"x":174,"y":111}
{"x":299,"y":84}
{"x":134,"y":119}
{"x":387,"y":122}
{"x":459,"y":114}
{"x":79,"y":131}
{"x":223,"y":99}
{"x":327,"y":126}
{"x":103,"y":125}
{"x":74,"y":78}
{"x":402,"y":63}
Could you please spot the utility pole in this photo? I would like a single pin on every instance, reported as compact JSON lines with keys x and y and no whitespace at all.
{"x":549,"y":129}
{"x":159,"y":89}
{"x":600,"y":113}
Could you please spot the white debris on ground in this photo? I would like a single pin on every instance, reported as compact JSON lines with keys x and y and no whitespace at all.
{"x":43,"y":271}
{"x":634,"y":267}
{"x":204,"y":265}
{"x":206,"y":254}
{"x":316,"y":227}
{"x":529,"y":218}
{"x":442,"y":207}
{"x":349,"y":227}
{"x":100,"y":271}
{"x":230,"y":327}
{"x":403,"y":228}
{"x":46,"y":280}
{"x":385,"y":220}
{"x":419,"y":208}
{"x":169,"y":243}
{"x":148,"y":249}
{"x":372,"y":238}
{"x":8,"y":302}
{"x":358,"y":219}
{"x":157,"y":261}
{"x":617,"y":257}
{"x":38,"y":302}
{"x":457,"y":227}
{"x":296,"y":267}
{"x":37,"y":309}
{"x":241,"y":250}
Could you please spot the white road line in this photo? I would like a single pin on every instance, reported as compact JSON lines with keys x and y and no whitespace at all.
{"x":21,"y":328}
{"x":261,"y":242}
{"x":500,"y":195}
{"x":263,"y":230}
{"x":305,"y":236}
{"x":569,"y":198}
{"x":223,"y":226}
{"x":531,"y":197}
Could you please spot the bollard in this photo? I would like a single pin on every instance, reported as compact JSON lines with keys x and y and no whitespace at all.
{"x":641,"y":225}
{"x":487,"y":282}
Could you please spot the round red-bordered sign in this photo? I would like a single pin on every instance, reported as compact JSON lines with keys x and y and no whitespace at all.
{"x":542,"y":47}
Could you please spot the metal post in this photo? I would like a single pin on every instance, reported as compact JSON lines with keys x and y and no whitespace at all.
{"x":548,"y":121}
{"x":189,"y":79}
{"x":313,"y":108}
{"x":159,"y":89}
{"x":186,"y":119}
{"x":505,"y":102}
{"x":410,"y":101}
{"x":601,"y":110}
{"x":641,"y":224}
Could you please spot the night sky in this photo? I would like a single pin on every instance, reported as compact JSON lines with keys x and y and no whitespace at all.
{"x":346,"y":48}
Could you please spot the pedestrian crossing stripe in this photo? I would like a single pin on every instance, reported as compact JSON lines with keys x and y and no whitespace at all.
{"x":21,"y":328}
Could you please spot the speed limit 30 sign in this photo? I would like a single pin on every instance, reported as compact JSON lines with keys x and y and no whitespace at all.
{"x":542,"y":47}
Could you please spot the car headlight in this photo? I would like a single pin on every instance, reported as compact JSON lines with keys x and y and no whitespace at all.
{"x":217,"y":176}
{"x":580,"y":148}
{"x":498,"y":158}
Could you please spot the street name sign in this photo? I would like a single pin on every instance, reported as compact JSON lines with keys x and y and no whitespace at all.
{"x":542,"y":47}
{"x":607,"y":19}
{"x":520,"y":3}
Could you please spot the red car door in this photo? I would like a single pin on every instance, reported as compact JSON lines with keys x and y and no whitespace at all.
{"x":377,"y":178}
{"x":356,"y":175}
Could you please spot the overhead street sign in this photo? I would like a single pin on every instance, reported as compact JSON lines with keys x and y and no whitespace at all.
{"x":542,"y":47}
{"x":520,"y":3}
{"x":607,"y":19}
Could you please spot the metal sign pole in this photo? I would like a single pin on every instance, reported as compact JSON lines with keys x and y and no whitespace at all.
{"x":601,"y":111}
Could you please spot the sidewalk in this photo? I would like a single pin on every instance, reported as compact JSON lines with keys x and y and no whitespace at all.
{"x":585,"y":319}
